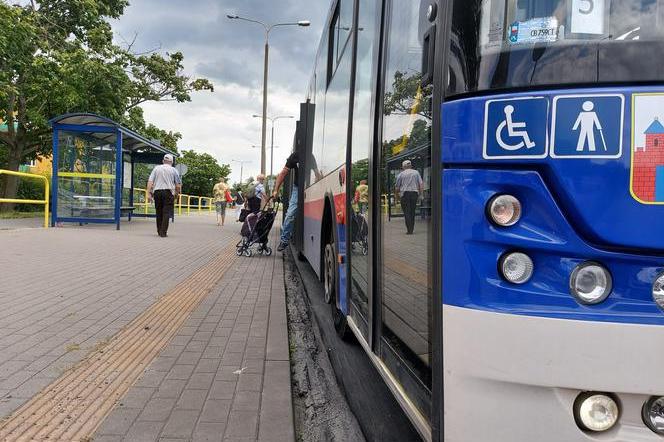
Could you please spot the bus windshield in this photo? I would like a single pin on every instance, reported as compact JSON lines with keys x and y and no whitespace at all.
{"x":497,"y":44}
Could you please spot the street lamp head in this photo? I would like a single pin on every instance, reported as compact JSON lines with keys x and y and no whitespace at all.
{"x":304,"y":23}
{"x":232,"y":17}
{"x":257,"y":116}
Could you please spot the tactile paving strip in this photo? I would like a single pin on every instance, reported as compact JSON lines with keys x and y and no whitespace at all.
{"x":74,"y":405}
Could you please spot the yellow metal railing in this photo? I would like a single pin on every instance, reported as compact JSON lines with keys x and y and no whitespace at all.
{"x":198,"y":203}
{"x":46,"y":199}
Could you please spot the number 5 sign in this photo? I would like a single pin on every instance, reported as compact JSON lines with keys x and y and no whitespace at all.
{"x":588,"y":17}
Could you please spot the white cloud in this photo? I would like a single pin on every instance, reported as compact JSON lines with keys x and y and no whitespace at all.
{"x":231,"y":55}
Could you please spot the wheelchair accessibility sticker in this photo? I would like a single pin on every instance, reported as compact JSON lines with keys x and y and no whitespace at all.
{"x":587,"y":126}
{"x":516,"y":128}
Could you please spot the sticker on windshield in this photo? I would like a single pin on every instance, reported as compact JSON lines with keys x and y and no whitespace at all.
{"x":536,"y":30}
{"x":587,"y":17}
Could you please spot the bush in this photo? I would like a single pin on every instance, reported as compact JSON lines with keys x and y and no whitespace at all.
{"x":30,"y":189}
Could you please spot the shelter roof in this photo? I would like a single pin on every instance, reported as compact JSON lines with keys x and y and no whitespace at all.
{"x":131,"y":141}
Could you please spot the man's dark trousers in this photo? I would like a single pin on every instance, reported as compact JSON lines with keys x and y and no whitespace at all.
{"x":163,"y":204}
{"x":408,"y":205}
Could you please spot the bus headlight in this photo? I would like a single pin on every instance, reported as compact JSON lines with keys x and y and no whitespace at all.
{"x":590,"y":283}
{"x":658,"y":291}
{"x":504,"y":210}
{"x":595,"y":411}
{"x":653,"y":414}
{"x":516,"y":267}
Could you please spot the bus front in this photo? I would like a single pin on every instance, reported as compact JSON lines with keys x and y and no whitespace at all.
{"x":552,"y":145}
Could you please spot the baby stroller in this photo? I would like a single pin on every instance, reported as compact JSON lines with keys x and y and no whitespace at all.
{"x":255,"y":231}
{"x":360,"y":232}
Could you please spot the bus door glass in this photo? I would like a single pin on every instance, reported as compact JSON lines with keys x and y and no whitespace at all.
{"x":361,"y":146}
{"x":405,"y":212}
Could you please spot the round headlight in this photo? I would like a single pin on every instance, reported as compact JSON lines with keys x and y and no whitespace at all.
{"x":516,"y":267}
{"x":504,"y":210}
{"x":653,"y":414}
{"x":590,"y":283}
{"x":658,"y":291}
{"x":596,"y":411}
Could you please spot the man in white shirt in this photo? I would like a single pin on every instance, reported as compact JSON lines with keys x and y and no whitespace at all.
{"x":408,"y":189}
{"x":164,"y":185}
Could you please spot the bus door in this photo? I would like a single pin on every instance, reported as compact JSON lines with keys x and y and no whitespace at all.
{"x":404,"y":249}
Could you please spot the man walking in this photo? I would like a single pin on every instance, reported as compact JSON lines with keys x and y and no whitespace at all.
{"x":292,"y":163}
{"x":164,"y":185}
{"x":409,"y":187}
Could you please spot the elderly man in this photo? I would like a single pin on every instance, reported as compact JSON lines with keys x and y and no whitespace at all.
{"x":260,"y":188}
{"x":163,"y":187}
{"x":409,"y":188}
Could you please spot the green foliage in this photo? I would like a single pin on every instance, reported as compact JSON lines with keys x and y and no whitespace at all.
{"x":359,"y":171}
{"x":204,"y":172}
{"x":407,"y":97}
{"x":58,"y":56}
{"x":30,"y":190}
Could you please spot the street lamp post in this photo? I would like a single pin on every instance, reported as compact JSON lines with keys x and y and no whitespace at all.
{"x":268,"y":28}
{"x":272,"y":120}
{"x":241,"y":166}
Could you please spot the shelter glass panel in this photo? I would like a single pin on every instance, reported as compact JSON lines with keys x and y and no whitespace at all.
{"x":86,"y":175}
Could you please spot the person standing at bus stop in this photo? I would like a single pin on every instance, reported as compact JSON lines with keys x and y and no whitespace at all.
{"x":220,"y":191}
{"x":292,"y":163}
{"x":408,"y":188}
{"x":163,"y":187}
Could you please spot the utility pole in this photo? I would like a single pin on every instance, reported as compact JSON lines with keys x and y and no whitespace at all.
{"x":268,"y":28}
{"x":272,"y":146}
{"x":241,"y":167}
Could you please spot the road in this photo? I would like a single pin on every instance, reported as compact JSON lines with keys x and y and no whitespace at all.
{"x":377,"y":412}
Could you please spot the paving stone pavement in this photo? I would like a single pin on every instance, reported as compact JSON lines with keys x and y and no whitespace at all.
{"x":226,"y":373}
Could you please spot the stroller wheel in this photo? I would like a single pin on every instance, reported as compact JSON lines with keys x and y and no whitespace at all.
{"x":268,"y":251}
{"x":247,"y":253}
{"x":238,"y":251}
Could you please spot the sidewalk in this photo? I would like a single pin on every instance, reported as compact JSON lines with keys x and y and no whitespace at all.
{"x":112,"y":344}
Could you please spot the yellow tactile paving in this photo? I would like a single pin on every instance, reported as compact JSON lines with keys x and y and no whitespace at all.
{"x":73,"y":406}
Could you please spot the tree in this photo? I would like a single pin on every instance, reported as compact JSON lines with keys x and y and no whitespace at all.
{"x":57,"y":56}
{"x":407,"y":96}
{"x":204,"y":172}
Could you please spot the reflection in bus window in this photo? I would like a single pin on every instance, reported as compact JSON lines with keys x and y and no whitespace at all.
{"x":361,"y":147}
{"x":512,"y":43}
{"x":405,"y":221}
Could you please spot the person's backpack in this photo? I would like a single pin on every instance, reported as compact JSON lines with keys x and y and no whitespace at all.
{"x":251,"y":191}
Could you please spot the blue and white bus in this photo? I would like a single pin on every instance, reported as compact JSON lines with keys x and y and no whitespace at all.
{"x":482,"y":193}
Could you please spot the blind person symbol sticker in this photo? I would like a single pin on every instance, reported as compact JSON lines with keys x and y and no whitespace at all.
{"x":587,"y":126}
{"x":516,"y":128}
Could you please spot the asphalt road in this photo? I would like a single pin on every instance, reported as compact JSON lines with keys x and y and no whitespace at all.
{"x":379,"y":415}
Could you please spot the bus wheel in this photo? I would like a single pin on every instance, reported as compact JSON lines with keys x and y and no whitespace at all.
{"x":330,"y":273}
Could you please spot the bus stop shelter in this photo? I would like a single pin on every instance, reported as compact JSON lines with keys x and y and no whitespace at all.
{"x":95,"y":164}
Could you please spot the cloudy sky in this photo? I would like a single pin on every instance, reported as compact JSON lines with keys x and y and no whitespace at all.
{"x":230,"y":54}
